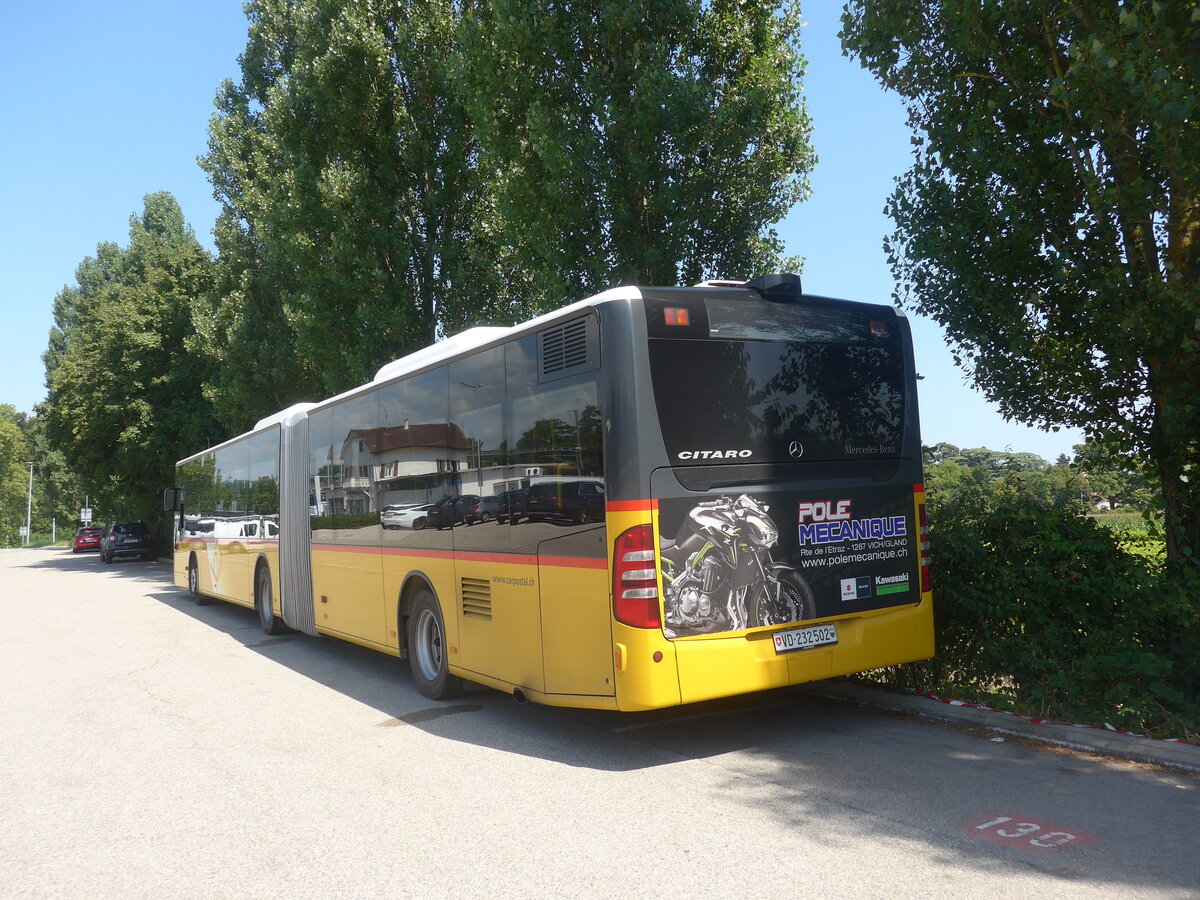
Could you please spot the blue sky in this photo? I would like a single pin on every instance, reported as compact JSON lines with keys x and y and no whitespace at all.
{"x":104,"y":103}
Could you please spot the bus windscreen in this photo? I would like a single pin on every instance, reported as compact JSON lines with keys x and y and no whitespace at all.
{"x":748,"y":400}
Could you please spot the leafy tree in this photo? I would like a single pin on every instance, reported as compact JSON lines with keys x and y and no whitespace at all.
{"x":980,"y":478}
{"x":1109,"y":475}
{"x":57,"y":493}
{"x":124,"y":397}
{"x":638,"y":141}
{"x":14,"y":474}
{"x":356,"y":224}
{"x":391,"y":173}
{"x":1051,"y":219}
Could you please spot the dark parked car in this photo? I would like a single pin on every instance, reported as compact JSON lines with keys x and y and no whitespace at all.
{"x":443,"y":513}
{"x":511,"y":505}
{"x":86,"y":539}
{"x":479,"y":509}
{"x":126,"y":539}
{"x":579,"y":501}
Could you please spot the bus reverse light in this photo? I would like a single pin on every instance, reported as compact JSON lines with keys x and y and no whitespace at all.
{"x":635,"y":579}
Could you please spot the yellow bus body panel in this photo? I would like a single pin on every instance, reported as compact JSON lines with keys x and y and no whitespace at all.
{"x":239,"y":590}
{"x":499,"y":619}
{"x":223,"y":569}
{"x":348,"y":593}
{"x":576,"y":633}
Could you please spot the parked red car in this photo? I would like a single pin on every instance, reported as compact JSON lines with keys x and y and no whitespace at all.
{"x":86,"y":539}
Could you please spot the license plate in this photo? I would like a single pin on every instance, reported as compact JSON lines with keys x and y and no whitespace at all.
{"x":805,"y":638}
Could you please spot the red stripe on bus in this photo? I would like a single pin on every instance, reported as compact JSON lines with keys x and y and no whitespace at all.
{"x":574,"y":562}
{"x":632,"y":505}
{"x":918,"y":488}
{"x":506,"y":559}
{"x":345,"y":548}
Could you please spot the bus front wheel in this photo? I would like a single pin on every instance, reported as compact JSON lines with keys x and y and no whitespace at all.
{"x":194,"y":584}
{"x":427,"y":649}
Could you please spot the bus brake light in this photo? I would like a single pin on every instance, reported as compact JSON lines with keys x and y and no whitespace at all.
{"x":923,"y":523}
{"x":635,"y":579}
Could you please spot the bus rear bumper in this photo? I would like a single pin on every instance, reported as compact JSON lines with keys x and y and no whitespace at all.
{"x":721,"y":667}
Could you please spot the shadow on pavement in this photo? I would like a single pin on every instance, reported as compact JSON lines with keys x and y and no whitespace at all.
{"x":813,"y":764}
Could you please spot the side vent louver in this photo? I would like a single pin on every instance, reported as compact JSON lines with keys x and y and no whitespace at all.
{"x":568,"y":348}
{"x":477,"y":598}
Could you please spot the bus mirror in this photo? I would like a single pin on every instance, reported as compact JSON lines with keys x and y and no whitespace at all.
{"x":172,"y":499}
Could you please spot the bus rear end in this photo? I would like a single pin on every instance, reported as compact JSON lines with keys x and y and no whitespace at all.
{"x":772,"y":531}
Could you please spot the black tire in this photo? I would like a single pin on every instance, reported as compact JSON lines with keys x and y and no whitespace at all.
{"x":418,"y":525}
{"x":427,"y":649}
{"x":271,"y":623}
{"x":485,"y":517}
{"x":194,"y":584}
{"x":794,"y":602}
{"x":583,"y":516}
{"x":105,"y":558}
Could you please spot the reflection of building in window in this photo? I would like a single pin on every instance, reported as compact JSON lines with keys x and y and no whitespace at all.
{"x":410,"y":463}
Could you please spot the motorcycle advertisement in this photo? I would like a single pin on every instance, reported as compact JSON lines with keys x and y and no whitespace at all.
{"x":743,"y":560}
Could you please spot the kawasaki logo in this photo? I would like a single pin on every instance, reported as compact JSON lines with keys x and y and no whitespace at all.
{"x":715,"y":454}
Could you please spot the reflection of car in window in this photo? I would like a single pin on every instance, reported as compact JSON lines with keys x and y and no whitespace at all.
{"x":393,"y":515}
{"x":462,"y":504}
{"x":511,"y":505}
{"x":409,"y":517}
{"x":579,"y":501}
{"x":442,"y":513}
{"x":480,"y":509}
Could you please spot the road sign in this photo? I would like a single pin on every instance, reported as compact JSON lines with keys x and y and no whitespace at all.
{"x":85,"y":514}
{"x":24,"y":531}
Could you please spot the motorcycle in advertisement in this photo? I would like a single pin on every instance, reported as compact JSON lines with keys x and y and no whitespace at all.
{"x":740,"y":561}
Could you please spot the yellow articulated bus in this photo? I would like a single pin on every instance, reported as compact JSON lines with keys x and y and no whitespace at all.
{"x":650,"y":497}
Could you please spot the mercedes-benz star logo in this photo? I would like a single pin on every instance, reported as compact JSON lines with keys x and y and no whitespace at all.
{"x":796,"y":449}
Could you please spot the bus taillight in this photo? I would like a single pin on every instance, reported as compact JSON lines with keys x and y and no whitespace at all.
{"x":923,"y":523}
{"x":635,"y":579}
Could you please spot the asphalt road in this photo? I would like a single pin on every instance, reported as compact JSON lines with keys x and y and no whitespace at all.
{"x":150,"y":747}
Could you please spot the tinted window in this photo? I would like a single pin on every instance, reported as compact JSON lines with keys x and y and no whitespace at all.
{"x":723,"y":401}
{"x":418,"y":453}
{"x":554,"y":428}
{"x":342,"y":472}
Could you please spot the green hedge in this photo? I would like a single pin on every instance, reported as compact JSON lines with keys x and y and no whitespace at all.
{"x":1049,"y":613}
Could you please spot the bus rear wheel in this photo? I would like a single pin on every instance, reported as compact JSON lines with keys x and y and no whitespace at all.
{"x":271,"y":623}
{"x":427,"y":649}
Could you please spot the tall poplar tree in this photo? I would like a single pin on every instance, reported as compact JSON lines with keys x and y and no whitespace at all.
{"x":391,"y":173}
{"x":1051,"y":219}
{"x":355,"y":224}
{"x":639,"y":141}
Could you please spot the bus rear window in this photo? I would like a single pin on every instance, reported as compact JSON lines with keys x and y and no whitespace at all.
{"x":757,"y":401}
